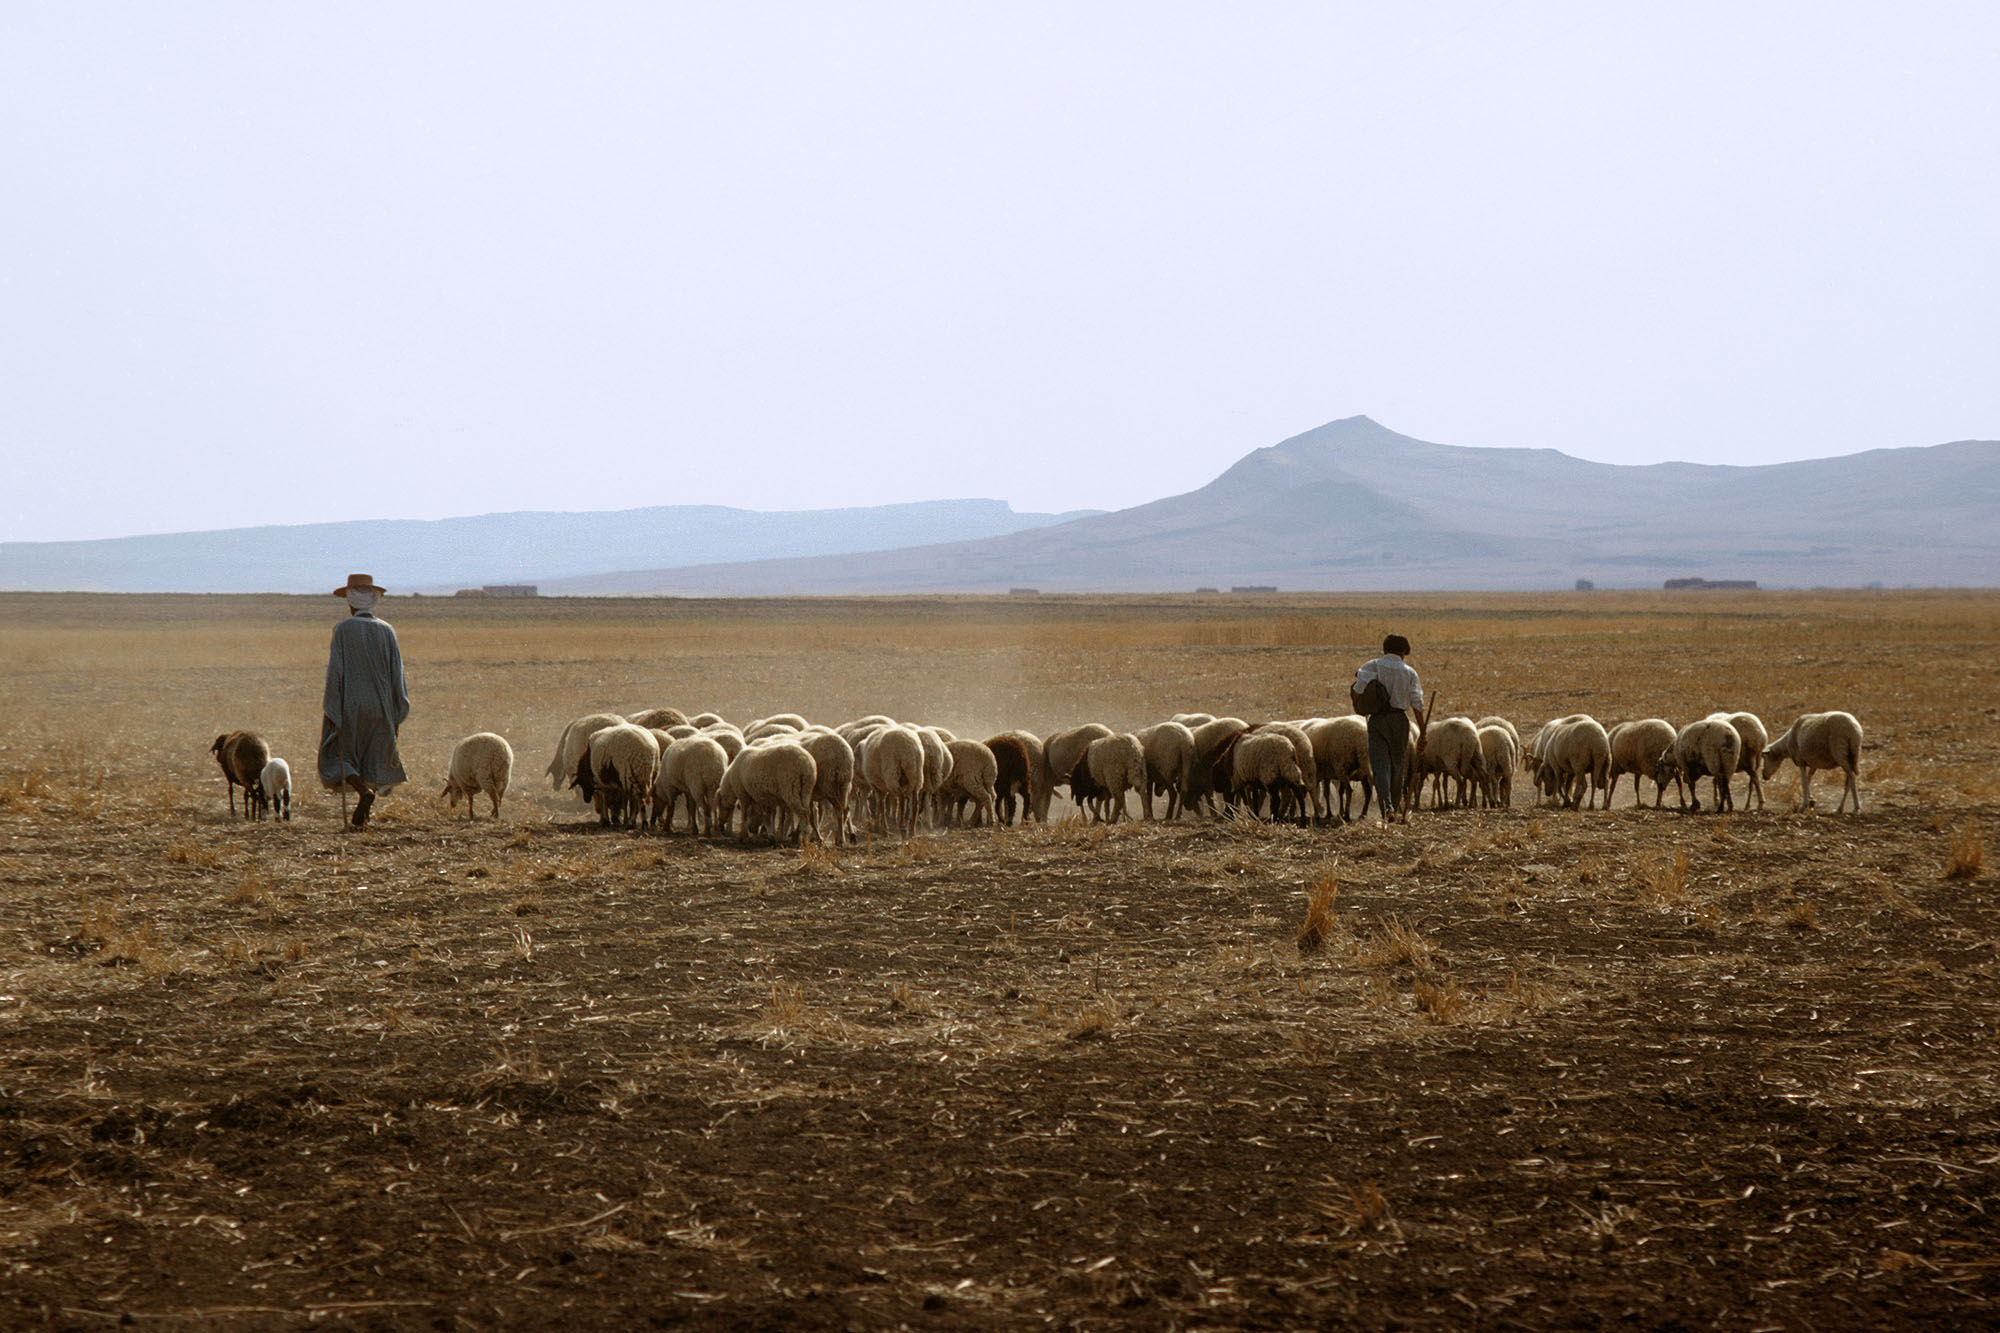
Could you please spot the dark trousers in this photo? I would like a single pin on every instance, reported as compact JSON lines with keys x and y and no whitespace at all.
{"x":1389,"y":756}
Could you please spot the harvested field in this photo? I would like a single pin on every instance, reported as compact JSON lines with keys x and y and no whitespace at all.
{"x":1503,"y":1069}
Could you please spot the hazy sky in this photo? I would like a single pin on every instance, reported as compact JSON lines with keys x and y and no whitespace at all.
{"x":298,"y":262}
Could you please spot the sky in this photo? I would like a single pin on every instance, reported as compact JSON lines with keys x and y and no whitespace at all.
{"x":309,"y":262}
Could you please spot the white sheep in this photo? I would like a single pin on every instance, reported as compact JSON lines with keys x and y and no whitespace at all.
{"x":1815,"y":741}
{"x":1340,"y":758}
{"x":1574,"y":759}
{"x":937,"y":772}
{"x":1169,"y":748}
{"x":1060,"y":753}
{"x":729,"y":738}
{"x":658,"y":718}
{"x":1110,"y":767}
{"x":833,"y":785}
{"x":1310,"y":806}
{"x":975,"y":774}
{"x":892,"y":766}
{"x":1495,"y":720}
{"x":1706,"y":748}
{"x":1636,"y":748}
{"x":691,"y":769}
{"x":575,"y":740}
{"x":766,"y":727}
{"x":773,"y":782}
{"x":1751,"y":731}
{"x":274,"y":784}
{"x":707,"y":720}
{"x":1449,"y":750}
{"x":1264,"y":762}
{"x":617,"y":771}
{"x":1501,"y":745}
{"x":482,"y":762}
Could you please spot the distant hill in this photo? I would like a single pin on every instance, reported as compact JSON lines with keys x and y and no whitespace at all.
{"x":1353,"y":504}
{"x":447,"y":554}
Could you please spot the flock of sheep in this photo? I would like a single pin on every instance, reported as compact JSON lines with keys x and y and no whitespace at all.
{"x":783,"y":777}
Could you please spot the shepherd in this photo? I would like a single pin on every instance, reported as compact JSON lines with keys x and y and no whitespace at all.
{"x":1383,"y":689}
{"x":366,"y":701}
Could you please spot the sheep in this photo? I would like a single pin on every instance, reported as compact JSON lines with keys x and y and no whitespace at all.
{"x":833,"y":785}
{"x":1574,"y":759}
{"x":937,"y":771}
{"x":975,"y":773}
{"x":1015,"y":776}
{"x":691,"y":770}
{"x":1169,"y":748}
{"x":680,"y":731}
{"x":1709,"y":747}
{"x":728,"y":737}
{"x":1636,"y":748}
{"x":1496,"y":720}
{"x":1310,"y":806}
{"x":482,"y":762}
{"x":242,"y":756}
{"x":1193,"y":720}
{"x":1449,"y":748}
{"x":1108,"y":768}
{"x":767,"y":727}
{"x":1501,"y":747}
{"x":892,"y":762}
{"x":1060,"y":753}
{"x":1264,"y":762}
{"x":1750,"y":730}
{"x":575,"y":741}
{"x":707,"y":720}
{"x":1815,"y":741}
{"x":772,"y":782}
{"x":652,"y":718}
{"x":616,"y":773}
{"x":1340,"y":758}
{"x":274,"y":789}
{"x":1211,"y":740}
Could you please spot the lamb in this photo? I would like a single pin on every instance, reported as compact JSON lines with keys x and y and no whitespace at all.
{"x":274,"y":789}
{"x":691,"y":770}
{"x":833,"y":787}
{"x":892,"y":763}
{"x":1636,"y":748}
{"x":1575,"y":759}
{"x":1449,"y":748}
{"x":242,"y":755}
{"x":1815,"y":741}
{"x":1169,"y":748}
{"x":1265,"y":762}
{"x":1709,"y":748}
{"x":617,"y":771}
{"x":482,"y":762}
{"x":1501,"y":746}
{"x":1019,"y":755}
{"x":975,"y":774}
{"x":770,"y":781}
{"x":575,"y":741}
{"x":1750,"y":730}
{"x":1108,"y":768}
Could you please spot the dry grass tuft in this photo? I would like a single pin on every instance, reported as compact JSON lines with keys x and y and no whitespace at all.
{"x":1968,"y":853}
{"x":1664,"y":879}
{"x":1094,"y":1021}
{"x":1394,"y":944}
{"x":1320,"y":920}
{"x":16,"y":792}
{"x":1354,"y":1208}
{"x":1802,"y":915}
{"x":1443,"y":1001}
{"x":254,"y":889}
{"x":188,"y":850}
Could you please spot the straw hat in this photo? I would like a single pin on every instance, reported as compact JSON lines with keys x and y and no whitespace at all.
{"x":365,"y":582}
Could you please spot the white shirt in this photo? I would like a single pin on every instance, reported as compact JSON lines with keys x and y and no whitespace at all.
{"x":1398,"y":677}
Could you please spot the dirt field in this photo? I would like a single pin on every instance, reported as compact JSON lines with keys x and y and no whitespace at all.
{"x":1632,"y":1068}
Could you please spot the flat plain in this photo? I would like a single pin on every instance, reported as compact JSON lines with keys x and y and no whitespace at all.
{"x":1638,"y":1068}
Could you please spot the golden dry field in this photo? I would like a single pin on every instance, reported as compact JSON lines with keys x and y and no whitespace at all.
{"x":1543,"y":1068}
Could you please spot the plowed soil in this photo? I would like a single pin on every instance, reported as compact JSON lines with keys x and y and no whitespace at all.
{"x":1535,"y":1068}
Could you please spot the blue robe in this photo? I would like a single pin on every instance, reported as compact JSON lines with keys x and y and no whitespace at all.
{"x":366,"y":700}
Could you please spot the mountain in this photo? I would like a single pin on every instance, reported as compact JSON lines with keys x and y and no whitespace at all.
{"x":446,"y":554}
{"x":1353,"y":504}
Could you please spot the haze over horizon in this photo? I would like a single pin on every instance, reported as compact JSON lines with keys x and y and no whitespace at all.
{"x":286,"y":266}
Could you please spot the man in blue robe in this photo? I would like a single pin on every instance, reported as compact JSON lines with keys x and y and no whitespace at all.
{"x":366,"y":701}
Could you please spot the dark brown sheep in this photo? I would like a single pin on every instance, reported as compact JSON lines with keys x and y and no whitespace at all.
{"x":242,"y":755}
{"x":1015,"y":777}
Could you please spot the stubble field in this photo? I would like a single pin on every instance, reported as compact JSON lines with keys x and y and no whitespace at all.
{"x":1544,"y":1069}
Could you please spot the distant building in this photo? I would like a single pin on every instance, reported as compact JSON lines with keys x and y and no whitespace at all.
{"x":1199,"y":591}
{"x":1255,"y":587}
{"x":1585,"y":585}
{"x":511,"y":590}
{"x":1024,"y":592}
{"x":1710,"y":585}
